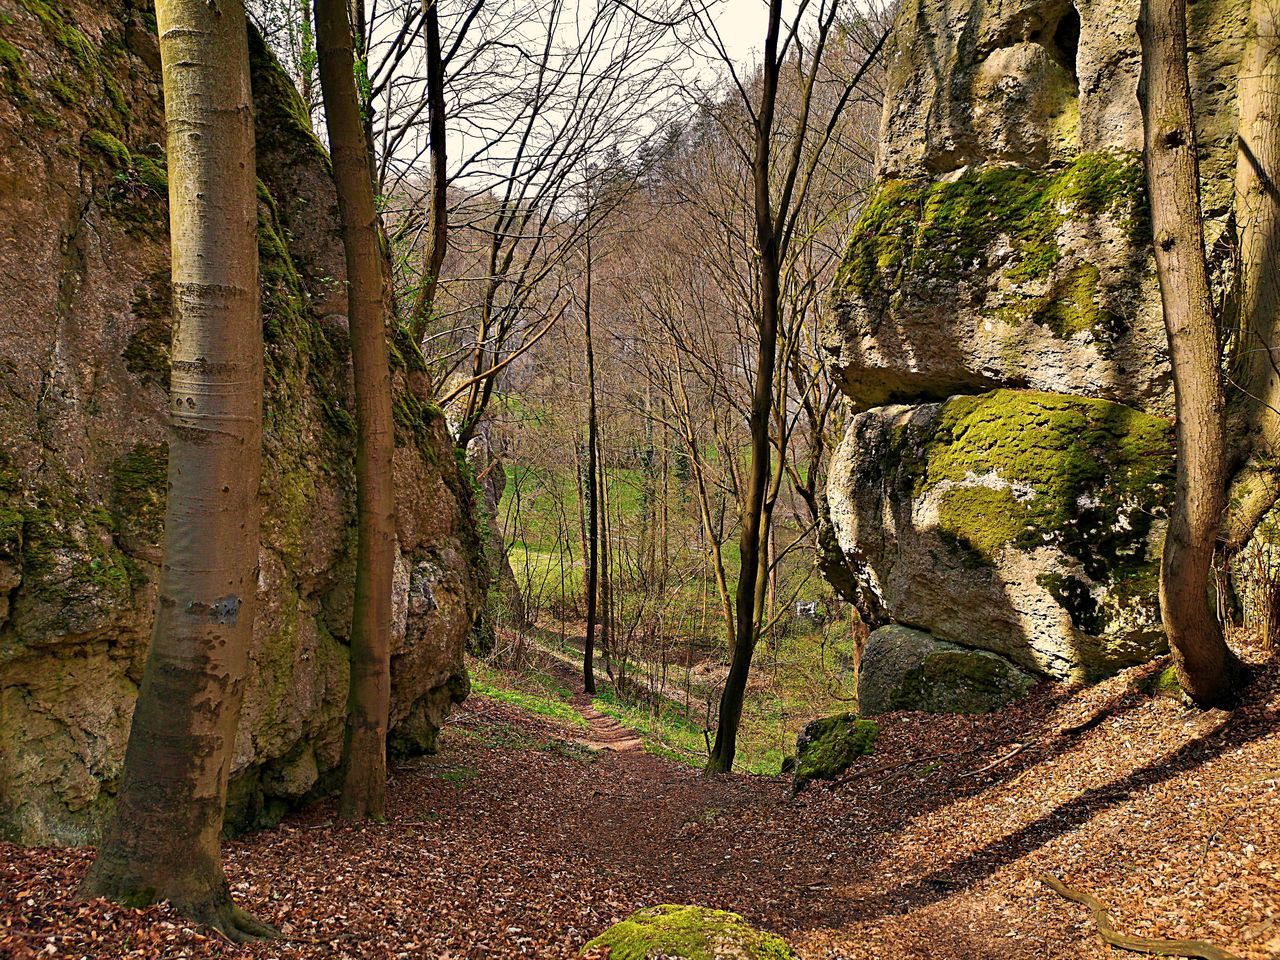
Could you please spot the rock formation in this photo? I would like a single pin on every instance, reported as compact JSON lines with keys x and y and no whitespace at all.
{"x":999,"y":291}
{"x":84,"y":346}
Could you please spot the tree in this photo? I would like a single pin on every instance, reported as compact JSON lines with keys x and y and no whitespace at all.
{"x":1206,"y":667}
{"x":437,"y":241}
{"x":776,"y":208}
{"x":162,"y":842}
{"x":592,"y":485}
{"x":1257,"y":294}
{"x":365,"y":759}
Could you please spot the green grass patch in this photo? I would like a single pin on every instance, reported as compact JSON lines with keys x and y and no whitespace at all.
{"x":534,"y":692}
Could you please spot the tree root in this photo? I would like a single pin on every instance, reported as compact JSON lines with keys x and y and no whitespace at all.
{"x":1108,"y":932}
{"x":235,"y":924}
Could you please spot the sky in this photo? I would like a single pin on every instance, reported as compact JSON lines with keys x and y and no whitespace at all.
{"x":741,"y":26}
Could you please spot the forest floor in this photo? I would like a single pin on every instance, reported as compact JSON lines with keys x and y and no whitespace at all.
{"x":527,"y":835}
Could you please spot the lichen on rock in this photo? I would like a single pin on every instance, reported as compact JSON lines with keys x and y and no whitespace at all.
{"x":672,"y":932}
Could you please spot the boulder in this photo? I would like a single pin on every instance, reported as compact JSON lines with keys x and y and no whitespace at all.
{"x":1007,"y":240}
{"x":85,"y":328}
{"x":672,"y":932}
{"x":905,"y":669}
{"x":1027,"y":524}
{"x":828,"y":746}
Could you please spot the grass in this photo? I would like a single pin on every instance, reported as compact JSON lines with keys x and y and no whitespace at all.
{"x":539,"y":514}
{"x":535,"y":692}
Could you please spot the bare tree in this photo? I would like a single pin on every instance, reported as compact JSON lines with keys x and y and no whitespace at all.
{"x":775,"y":213}
{"x":369,"y":700}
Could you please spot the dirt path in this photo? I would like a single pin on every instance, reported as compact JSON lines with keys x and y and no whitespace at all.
{"x":517,"y":842}
{"x":606,"y":733}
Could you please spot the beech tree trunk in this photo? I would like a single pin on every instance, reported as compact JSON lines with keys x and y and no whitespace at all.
{"x":365,"y":756}
{"x":1257,"y":209}
{"x":769,"y":268}
{"x":1205,"y":665}
{"x":163,"y":840}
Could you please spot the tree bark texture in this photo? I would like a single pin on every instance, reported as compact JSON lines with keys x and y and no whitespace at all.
{"x":163,"y":840}
{"x":1257,"y":209}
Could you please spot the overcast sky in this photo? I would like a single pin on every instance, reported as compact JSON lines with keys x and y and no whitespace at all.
{"x":741,"y":25}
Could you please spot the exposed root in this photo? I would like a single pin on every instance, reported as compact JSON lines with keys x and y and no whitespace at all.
{"x":238,"y":926}
{"x":1108,"y":932}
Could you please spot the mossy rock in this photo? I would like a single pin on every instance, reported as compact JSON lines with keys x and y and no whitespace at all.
{"x":672,"y":932}
{"x":1163,"y":684}
{"x":924,"y":236}
{"x":905,"y":669}
{"x":1025,"y":523}
{"x":828,"y":746}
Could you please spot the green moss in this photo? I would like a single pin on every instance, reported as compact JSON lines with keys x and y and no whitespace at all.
{"x":925,"y":236}
{"x":10,"y":508}
{"x":281,"y":118}
{"x":83,"y":75}
{"x":982,"y":519}
{"x":17,"y":79}
{"x":1072,"y":307}
{"x":828,"y":746}
{"x":71,"y":564}
{"x":1163,"y":684}
{"x":689,"y":933}
{"x":1092,"y":475}
{"x":139,"y":483}
{"x":111,"y":148}
{"x":147,"y":353}
{"x":152,"y":174}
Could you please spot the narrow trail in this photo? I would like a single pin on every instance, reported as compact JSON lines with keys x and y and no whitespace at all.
{"x":606,"y":733}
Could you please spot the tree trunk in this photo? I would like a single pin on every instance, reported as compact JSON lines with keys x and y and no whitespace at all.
{"x":1257,"y":208}
{"x":162,"y":842}
{"x":768,"y":269}
{"x":1205,"y":665}
{"x":438,"y":236}
{"x":369,"y":700}
{"x":592,"y":485}
{"x":606,"y":558}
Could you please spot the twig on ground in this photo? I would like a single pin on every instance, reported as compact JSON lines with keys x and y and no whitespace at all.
{"x":1108,"y":932}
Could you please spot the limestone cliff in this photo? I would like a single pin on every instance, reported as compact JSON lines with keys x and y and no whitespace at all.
{"x":84,"y":339}
{"x":999,"y":289}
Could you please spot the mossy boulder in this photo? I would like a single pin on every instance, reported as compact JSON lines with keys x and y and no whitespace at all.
{"x":1002,"y":275}
{"x":1006,"y":241}
{"x":1025,"y":523}
{"x":828,"y":746}
{"x":673,"y":932}
{"x":905,"y":669}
